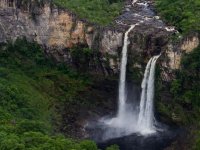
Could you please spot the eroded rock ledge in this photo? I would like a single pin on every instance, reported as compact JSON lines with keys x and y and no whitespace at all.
{"x":58,"y":30}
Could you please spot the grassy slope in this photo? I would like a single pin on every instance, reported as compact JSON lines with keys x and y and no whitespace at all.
{"x":97,"y":11}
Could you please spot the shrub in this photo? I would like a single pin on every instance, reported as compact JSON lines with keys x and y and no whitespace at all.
{"x":113,"y":147}
{"x":88,"y":145}
{"x":11,"y":142}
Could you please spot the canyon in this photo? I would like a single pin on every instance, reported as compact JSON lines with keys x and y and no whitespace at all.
{"x":58,"y":30}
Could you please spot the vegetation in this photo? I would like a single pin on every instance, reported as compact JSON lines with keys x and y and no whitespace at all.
{"x":184,"y":105}
{"x":113,"y":147}
{"x":185,"y":88}
{"x":183,"y":14}
{"x":81,"y":57}
{"x":101,"y":12}
{"x":179,"y":100}
{"x":97,"y":11}
{"x":33,"y":92}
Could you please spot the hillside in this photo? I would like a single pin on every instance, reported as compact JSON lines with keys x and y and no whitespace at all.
{"x":99,"y":74}
{"x":34,"y":93}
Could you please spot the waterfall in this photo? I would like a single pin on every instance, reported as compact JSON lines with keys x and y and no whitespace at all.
{"x":122,"y":82}
{"x":121,"y":121}
{"x":135,"y":112}
{"x":146,"y":113}
{"x":128,"y":120}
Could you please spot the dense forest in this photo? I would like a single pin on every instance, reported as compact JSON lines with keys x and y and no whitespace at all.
{"x":184,"y":15}
{"x":36,"y":91}
{"x":33,"y":92}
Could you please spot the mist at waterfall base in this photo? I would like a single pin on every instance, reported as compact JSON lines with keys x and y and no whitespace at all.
{"x":130,"y":138}
{"x":134,"y":123}
{"x":127,"y":121}
{"x":130,"y":119}
{"x":127,"y":132}
{"x":135,"y":111}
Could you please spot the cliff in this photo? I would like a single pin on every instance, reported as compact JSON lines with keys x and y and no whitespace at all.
{"x":58,"y":30}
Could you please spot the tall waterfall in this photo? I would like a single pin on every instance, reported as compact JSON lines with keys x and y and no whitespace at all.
{"x":135,"y":110}
{"x":122,"y":82}
{"x":127,"y":120}
{"x":121,"y":121}
{"x":146,"y":113}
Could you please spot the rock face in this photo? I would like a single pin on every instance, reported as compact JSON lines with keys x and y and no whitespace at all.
{"x":45,"y":24}
{"x":190,"y":42}
{"x":187,"y":44}
{"x":58,"y":30}
{"x":171,"y":59}
{"x":49,"y":26}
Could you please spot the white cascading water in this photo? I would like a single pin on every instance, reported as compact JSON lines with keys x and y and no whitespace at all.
{"x":121,"y":121}
{"x":122,"y":81}
{"x":133,"y":116}
{"x":146,"y":113}
{"x":127,"y":120}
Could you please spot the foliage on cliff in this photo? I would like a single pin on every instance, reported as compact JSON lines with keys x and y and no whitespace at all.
{"x":183,"y":14}
{"x":183,"y":91}
{"x":33,"y":91}
{"x":97,"y":11}
{"x":178,"y":101}
{"x":185,"y":88}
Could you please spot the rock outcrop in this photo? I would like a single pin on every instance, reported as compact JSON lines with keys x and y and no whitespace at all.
{"x":58,"y":30}
{"x":187,"y":44}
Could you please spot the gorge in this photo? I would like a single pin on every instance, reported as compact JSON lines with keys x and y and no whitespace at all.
{"x":129,"y":120}
{"x":132,"y":83}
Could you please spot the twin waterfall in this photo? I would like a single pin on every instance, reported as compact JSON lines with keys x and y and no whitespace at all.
{"x":144,"y":120}
{"x":146,"y":113}
{"x":127,"y":120}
